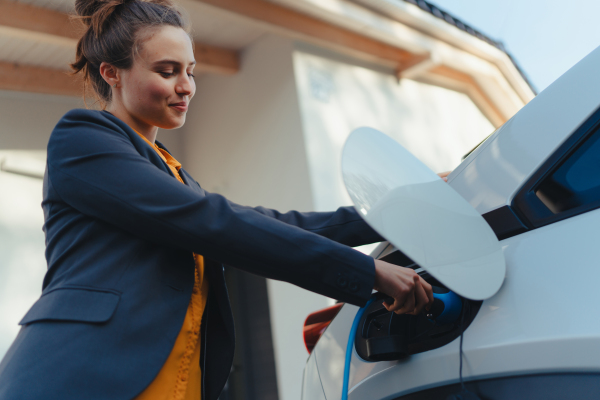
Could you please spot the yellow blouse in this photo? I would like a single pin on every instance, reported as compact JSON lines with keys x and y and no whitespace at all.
{"x":180,"y":376}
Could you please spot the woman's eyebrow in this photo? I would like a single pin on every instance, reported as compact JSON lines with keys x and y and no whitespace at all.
{"x":171,"y":62}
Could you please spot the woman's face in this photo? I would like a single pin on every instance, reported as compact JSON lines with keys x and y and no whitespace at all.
{"x":157,"y":89}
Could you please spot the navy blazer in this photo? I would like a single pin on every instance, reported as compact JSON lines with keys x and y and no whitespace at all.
{"x":120,"y":232}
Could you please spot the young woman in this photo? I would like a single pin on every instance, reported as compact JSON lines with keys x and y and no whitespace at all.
{"x":134,"y":303}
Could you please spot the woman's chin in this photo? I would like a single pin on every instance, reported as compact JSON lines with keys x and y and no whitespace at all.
{"x":172,"y":123}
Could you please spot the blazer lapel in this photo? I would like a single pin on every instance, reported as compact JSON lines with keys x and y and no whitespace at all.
{"x":149,"y":153}
{"x":141,"y":146}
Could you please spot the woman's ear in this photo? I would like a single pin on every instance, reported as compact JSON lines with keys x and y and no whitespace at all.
{"x":109,"y":73}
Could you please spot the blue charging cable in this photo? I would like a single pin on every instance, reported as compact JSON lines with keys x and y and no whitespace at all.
{"x":350,"y":347}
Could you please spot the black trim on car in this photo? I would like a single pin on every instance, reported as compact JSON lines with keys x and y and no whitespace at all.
{"x":504,"y":222}
{"x":580,"y":386}
{"x":529,"y":206}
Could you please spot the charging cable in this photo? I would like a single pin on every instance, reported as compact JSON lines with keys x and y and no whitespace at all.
{"x":350,"y":347}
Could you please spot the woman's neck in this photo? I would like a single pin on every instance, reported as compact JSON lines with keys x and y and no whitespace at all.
{"x":148,"y":131}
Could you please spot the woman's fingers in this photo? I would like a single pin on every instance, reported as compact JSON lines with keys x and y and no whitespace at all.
{"x":428,"y":291}
{"x":444,"y":175}
{"x":411,"y":283}
{"x":410,"y":292}
{"x":400,"y":300}
{"x":408,"y":305}
{"x":421,"y":300}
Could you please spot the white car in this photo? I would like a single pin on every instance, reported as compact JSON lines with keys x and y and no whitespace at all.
{"x":536,"y":181}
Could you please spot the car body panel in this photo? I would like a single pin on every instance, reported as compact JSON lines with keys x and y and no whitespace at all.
{"x":311,"y":382}
{"x":526,"y":328}
{"x":490,"y":176}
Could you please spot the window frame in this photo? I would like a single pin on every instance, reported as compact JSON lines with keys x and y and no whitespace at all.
{"x":528,"y":206}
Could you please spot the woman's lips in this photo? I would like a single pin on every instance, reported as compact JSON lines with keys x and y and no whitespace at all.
{"x":182,"y":107}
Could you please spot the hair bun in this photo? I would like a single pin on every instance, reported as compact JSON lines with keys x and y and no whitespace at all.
{"x":95,"y":13}
{"x":87,"y":8}
{"x":164,"y":3}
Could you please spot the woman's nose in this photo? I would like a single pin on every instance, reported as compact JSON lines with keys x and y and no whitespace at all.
{"x":185,"y":85}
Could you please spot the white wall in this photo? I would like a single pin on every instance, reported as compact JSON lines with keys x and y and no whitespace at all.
{"x":437,"y":125}
{"x":243,"y":134}
{"x":28,"y":118}
{"x":22,"y":261}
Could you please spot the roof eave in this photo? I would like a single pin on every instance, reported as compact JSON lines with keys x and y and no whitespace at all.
{"x":466,"y":38}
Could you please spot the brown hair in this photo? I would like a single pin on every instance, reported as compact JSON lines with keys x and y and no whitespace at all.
{"x":113,"y":35}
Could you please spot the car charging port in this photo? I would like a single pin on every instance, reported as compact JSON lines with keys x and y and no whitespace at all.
{"x":384,"y":336}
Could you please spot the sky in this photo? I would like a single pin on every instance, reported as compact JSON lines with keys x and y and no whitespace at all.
{"x":546,"y":37}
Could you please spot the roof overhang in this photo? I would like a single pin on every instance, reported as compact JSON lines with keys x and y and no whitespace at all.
{"x":394,"y":34}
{"x":37,"y":44}
{"x":450,"y":57}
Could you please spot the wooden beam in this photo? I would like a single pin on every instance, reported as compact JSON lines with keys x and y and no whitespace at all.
{"x":25,"y":78}
{"x":459,"y":81}
{"x":24,"y":16}
{"x":319,"y":30}
{"x":215,"y":59}
{"x":32,"y":18}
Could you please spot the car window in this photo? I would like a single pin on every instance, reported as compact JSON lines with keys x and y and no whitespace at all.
{"x":568,"y":183}
{"x":576,"y":181}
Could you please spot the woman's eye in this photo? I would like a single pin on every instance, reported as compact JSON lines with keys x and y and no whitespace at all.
{"x":166,"y":74}
{"x":191,"y":75}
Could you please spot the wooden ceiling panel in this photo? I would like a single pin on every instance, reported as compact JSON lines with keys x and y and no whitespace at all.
{"x":24,"y":78}
{"x":314,"y":29}
{"x":37,"y":19}
{"x":47,"y":25}
{"x":35,"y":48}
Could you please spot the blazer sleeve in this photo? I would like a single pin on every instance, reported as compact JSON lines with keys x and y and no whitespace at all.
{"x":94,"y":168}
{"x":344,"y":225}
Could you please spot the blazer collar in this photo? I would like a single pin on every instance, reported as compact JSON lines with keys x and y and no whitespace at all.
{"x":144,"y":149}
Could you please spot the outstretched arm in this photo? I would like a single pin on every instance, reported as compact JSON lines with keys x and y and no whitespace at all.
{"x":94,"y":168}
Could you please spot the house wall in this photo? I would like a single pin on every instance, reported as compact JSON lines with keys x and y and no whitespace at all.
{"x":27,"y":120}
{"x":22,"y":261}
{"x":336,"y":96}
{"x":243,"y":134}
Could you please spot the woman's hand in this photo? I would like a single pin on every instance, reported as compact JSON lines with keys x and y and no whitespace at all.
{"x":444,"y":175}
{"x":410,"y":292}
